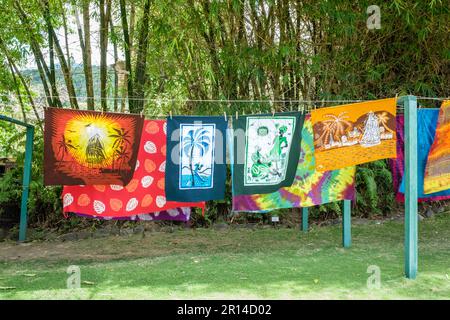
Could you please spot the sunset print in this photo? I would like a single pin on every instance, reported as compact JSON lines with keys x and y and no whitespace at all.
{"x":86,"y":147}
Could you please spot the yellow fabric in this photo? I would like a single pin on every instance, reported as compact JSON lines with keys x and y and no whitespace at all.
{"x":356,"y":133}
{"x":437,"y":171}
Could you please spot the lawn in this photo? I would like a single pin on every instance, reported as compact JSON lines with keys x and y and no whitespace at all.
{"x":233,"y":264}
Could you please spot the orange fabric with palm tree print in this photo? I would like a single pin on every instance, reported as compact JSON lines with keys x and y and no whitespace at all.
{"x":437,"y":171}
{"x":352,"y":134}
{"x":87,"y":147}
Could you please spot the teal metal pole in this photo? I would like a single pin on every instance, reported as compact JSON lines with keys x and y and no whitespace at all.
{"x":15,"y":121}
{"x":411,"y":222}
{"x":305,"y":220}
{"x":26,"y":183}
{"x":347,"y":224}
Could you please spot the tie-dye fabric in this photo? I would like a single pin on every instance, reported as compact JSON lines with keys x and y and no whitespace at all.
{"x":426,"y":126}
{"x":437,"y":171}
{"x":398,"y":164}
{"x":177,"y":214}
{"x":310,"y":187}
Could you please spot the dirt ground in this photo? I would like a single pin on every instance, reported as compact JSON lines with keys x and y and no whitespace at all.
{"x":118,"y":247}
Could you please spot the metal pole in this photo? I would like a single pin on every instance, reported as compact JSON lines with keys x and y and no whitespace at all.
{"x":411,"y":223}
{"x":26,"y":183}
{"x":347,"y":224}
{"x":305,"y":219}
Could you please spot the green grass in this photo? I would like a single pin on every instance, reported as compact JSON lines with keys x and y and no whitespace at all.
{"x":233,"y":264}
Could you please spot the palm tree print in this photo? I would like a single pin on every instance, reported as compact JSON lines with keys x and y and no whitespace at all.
{"x":383,"y":119}
{"x":196,"y":140}
{"x":63,"y":147}
{"x":121,"y":140}
{"x":335,"y":127}
{"x":121,"y":137}
{"x":120,"y":156}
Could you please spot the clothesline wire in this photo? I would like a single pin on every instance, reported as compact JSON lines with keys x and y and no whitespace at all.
{"x":431,"y":98}
{"x":159,"y":116}
{"x":307,"y":108}
{"x":146,"y":113}
{"x":162,"y":100}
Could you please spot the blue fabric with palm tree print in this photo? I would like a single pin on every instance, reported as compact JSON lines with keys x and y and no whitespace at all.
{"x":195,"y":165}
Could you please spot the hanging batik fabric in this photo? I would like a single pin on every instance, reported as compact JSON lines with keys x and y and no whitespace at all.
{"x":143,"y":195}
{"x":266,"y":151}
{"x":177,"y":214}
{"x":196,"y":151}
{"x":310,"y":187}
{"x":87,"y":147}
{"x":352,"y":134}
{"x":437,"y":172}
{"x":426,"y":127}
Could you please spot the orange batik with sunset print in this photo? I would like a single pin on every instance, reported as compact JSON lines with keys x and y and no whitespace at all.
{"x":144,"y":194}
{"x":88,"y":147}
{"x":437,"y":171}
{"x":352,"y":134}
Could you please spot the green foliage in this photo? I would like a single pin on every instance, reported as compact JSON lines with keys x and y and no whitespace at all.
{"x":44,"y":202}
{"x":375,"y":192}
{"x":10,"y":189}
{"x":244,"y":50}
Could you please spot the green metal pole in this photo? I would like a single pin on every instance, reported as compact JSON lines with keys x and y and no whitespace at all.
{"x":26,"y":183}
{"x":305,"y":219}
{"x":347,"y":224}
{"x":411,"y":228}
{"x":15,"y":121}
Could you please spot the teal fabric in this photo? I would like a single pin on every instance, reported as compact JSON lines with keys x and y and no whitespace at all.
{"x":196,"y":158}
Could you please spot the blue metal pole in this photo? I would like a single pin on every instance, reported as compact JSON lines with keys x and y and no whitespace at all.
{"x":347,"y":224}
{"x":305,"y":220}
{"x":411,"y":223}
{"x":26,"y":183}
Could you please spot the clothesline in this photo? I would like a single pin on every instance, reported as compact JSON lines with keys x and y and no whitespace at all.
{"x":306,"y":108}
{"x":162,"y":100}
{"x":159,"y":116}
{"x":157,"y":100}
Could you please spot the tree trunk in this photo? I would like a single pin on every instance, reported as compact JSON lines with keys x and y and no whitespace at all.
{"x":126,"y":39}
{"x":66,"y":32}
{"x":61,"y":58}
{"x":141,"y":61}
{"x":43,"y":79}
{"x":132,"y":27}
{"x":17,"y":88}
{"x":53,"y":97}
{"x":30,"y":97}
{"x":51,"y":71}
{"x":116,"y":77}
{"x":87,"y":55}
{"x":16,"y":70}
{"x":51,"y":57}
{"x":104,"y":22}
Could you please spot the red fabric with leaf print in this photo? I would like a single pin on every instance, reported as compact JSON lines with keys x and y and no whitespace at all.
{"x":145,"y":192}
